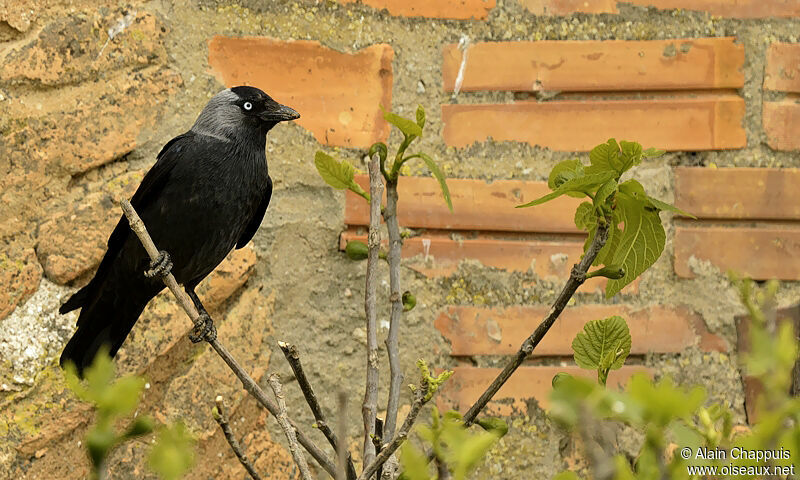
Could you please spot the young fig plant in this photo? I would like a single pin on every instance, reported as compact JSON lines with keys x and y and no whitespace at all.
{"x":633,"y":248}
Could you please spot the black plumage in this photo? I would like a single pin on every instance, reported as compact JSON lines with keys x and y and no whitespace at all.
{"x":206,"y":194}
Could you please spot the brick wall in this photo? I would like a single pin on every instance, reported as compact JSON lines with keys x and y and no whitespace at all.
{"x":82,"y":116}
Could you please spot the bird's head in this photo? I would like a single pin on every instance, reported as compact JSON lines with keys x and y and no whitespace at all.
{"x":241,"y":110}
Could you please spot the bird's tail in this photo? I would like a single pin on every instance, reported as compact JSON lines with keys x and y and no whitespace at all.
{"x":106,"y":318}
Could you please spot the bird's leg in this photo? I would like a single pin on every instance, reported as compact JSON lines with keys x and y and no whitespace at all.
{"x":161,"y":266}
{"x":204,"y":328}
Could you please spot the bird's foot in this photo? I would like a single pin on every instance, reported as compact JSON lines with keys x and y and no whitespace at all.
{"x":161,"y":266}
{"x":203,"y":330}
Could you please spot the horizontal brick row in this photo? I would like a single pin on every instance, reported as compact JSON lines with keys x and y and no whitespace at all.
{"x":607,"y":65}
{"x":701,"y":122}
{"x":457,"y":9}
{"x":722,"y":8}
{"x":436,"y":254}
{"x":500,"y":331}
{"x":762,"y":252}
{"x":467,"y":384}
{"x":337,"y":94}
{"x":739,"y":193}
{"x":421,"y":206}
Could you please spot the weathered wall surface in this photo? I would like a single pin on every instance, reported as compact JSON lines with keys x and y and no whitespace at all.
{"x":82,"y":116}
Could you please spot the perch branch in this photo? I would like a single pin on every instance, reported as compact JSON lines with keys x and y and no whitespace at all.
{"x":288,"y":429}
{"x":420,"y":399}
{"x":392,"y":340}
{"x":576,"y":278}
{"x":248,"y":383}
{"x":369,"y":409}
{"x":293,"y":357}
{"x":222,"y":420}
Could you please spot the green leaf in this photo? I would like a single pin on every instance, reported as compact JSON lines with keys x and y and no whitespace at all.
{"x":578,"y":184}
{"x":666,"y":207}
{"x":337,"y":174}
{"x":434,"y":168}
{"x":420,"y":116}
{"x":141,"y":425}
{"x":604,"y":192}
{"x":600,"y":338}
{"x":604,"y":157}
{"x":663,"y":402}
{"x":414,"y":462}
{"x":495,"y":425}
{"x":122,"y":397}
{"x":172,"y":454}
{"x":653,"y":152}
{"x":630,"y":156}
{"x":641,"y":242}
{"x":408,"y":127}
{"x":563,"y":172}
{"x":585,"y":216}
{"x":470,"y":452}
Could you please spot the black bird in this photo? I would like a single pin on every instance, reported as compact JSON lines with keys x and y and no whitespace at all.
{"x":206,"y":194}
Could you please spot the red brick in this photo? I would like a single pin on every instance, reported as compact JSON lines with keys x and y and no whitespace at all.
{"x":781,"y":123}
{"x":422,"y":206}
{"x":739,"y":193}
{"x":609,"y":65}
{"x":458,"y":9}
{"x":783,"y":67}
{"x":762,"y":252}
{"x":467,"y":384}
{"x":500,"y":331}
{"x":705,"y":122}
{"x":722,"y":8}
{"x":545,"y":258}
{"x":337,"y":94}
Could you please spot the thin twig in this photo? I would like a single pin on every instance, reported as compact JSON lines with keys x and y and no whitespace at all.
{"x":419,"y":401}
{"x":441,"y":469}
{"x":248,"y":383}
{"x":342,"y":455}
{"x":293,"y":358}
{"x":392,"y":340}
{"x":288,"y":429}
{"x":222,"y":420}
{"x":576,"y":278}
{"x":369,"y":409}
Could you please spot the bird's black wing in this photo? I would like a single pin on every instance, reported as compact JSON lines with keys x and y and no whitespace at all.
{"x":152,"y":183}
{"x":255,"y":222}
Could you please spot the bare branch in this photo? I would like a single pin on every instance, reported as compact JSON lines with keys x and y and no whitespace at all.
{"x":293,"y":357}
{"x":288,"y":429}
{"x":343,"y":457}
{"x":248,"y":383}
{"x":369,"y":409}
{"x":576,"y":278}
{"x":222,"y":420}
{"x":392,"y":340}
{"x":420,"y":399}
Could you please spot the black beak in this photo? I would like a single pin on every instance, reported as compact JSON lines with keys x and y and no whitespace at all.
{"x":280,"y":113}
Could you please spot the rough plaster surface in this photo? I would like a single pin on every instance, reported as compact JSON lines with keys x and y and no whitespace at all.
{"x":301,"y":290}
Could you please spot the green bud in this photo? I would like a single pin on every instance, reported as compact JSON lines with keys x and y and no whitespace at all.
{"x":559,"y":378}
{"x":356,"y":250}
{"x":614,"y":272}
{"x":494,"y":425}
{"x":409,"y":301}
{"x":420,"y":116}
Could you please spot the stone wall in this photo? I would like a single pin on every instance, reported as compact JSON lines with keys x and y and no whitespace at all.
{"x":90,"y":91}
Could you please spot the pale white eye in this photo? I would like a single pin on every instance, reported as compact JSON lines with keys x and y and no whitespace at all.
{"x":248,"y":106}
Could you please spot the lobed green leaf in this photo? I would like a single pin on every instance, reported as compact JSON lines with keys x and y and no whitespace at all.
{"x":603,"y":343}
{"x":580,"y":184}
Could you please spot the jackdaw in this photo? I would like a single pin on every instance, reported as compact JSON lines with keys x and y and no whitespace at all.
{"x":206,"y":194}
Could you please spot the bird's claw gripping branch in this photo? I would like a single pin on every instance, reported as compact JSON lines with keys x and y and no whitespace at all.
{"x":162,"y":266}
